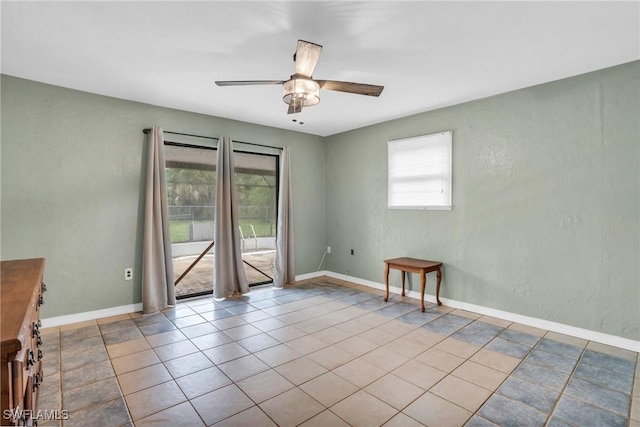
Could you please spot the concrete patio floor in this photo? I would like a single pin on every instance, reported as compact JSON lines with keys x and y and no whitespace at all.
{"x":200,"y":278}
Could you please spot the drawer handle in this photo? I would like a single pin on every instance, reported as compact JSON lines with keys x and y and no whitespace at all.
{"x":40,"y":355}
{"x":37,"y":380}
{"x":30,"y":359}
{"x":41,"y":302}
{"x":36,"y":329}
{"x":44,"y":287}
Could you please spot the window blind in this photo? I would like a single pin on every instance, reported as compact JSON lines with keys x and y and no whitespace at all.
{"x":419,"y":172}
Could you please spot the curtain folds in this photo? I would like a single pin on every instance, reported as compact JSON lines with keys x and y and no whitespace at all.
{"x":285,"y":272}
{"x":229,"y":274}
{"x":158,"y":291}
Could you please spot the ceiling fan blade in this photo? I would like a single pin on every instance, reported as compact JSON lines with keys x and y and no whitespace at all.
{"x":306,"y":57}
{"x":357,"y":88}
{"x":249,"y":82}
{"x":295,"y":106}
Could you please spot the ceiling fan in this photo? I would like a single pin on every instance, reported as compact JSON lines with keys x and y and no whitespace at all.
{"x":301,"y":90}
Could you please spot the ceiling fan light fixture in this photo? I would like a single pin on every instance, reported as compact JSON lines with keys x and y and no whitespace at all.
{"x":299,"y":88}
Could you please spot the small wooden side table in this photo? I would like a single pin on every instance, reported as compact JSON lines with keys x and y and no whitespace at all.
{"x":413,"y":265}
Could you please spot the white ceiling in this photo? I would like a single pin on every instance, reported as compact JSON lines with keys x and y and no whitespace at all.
{"x":427,"y":54}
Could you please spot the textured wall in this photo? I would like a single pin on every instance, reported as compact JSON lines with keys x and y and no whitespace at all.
{"x":545,"y":218}
{"x":72,"y":174}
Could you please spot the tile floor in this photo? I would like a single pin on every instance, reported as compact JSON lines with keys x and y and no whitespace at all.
{"x":330,"y":353}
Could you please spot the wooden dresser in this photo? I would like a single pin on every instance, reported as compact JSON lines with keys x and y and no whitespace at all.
{"x":21,"y":289}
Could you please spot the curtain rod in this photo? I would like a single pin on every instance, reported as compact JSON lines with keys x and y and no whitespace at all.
{"x":147,"y":130}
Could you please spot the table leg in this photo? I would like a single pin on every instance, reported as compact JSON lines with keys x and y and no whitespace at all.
{"x":403,"y":274}
{"x":439,"y":274}
{"x":386,"y":280}
{"x":423,"y":283}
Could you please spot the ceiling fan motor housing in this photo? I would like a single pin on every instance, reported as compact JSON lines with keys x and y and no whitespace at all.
{"x":301,"y":88}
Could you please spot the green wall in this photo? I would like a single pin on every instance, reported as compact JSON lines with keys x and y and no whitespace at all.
{"x":545,"y":219}
{"x":71,"y":180}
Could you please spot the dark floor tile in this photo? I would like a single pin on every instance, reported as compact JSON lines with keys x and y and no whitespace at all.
{"x":220,"y":314}
{"x":265,"y":303}
{"x":608,"y":361}
{"x":598,"y":395}
{"x":81,"y":345}
{"x":156,"y":328}
{"x":563,"y":349}
{"x":51,"y":342}
{"x":507,"y":412}
{"x":86,"y":375}
{"x":478,"y":421}
{"x":183,"y":322}
{"x":112,"y":413}
{"x":90,"y":394}
{"x":230,"y":302}
{"x":530,"y":394}
{"x":417,"y":318}
{"x":51,"y":361}
{"x":447,"y":324}
{"x":522,"y":338}
{"x":606,"y":377}
{"x":76,"y":334}
{"x":87,"y":357}
{"x":116,"y":326}
{"x":541,"y":375}
{"x":358,"y":298}
{"x":577,"y":412}
{"x":478,"y":333}
{"x":558,"y":422}
{"x":241,"y":308}
{"x":122,"y":335}
{"x":510,"y":348}
{"x":398,"y":309}
{"x":551,"y":360}
{"x":148,"y":319}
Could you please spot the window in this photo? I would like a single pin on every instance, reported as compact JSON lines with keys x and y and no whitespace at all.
{"x":419,"y":172}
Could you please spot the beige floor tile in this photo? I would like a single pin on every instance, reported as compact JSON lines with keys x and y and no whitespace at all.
{"x":143,"y":378}
{"x":402,"y":420}
{"x":394,"y":391}
{"x":127,"y":347}
{"x":442,"y":360}
{"x":179,"y":415}
{"x":397,"y":327}
{"x":228,"y":322}
{"x":258,"y":342}
{"x":612,"y":351}
{"x":480,"y":375}
{"x":465,"y":313}
{"x":300,"y":370}
{"x":325,"y":419}
{"x":188,"y":364}
{"x":374,"y":319}
{"x":134,"y":361}
{"x":253,"y":417}
{"x":214,"y":339}
{"x":269,"y":324}
{"x":175,"y":350}
{"x":378,"y":336}
{"x":359,"y":372}
{"x":221,"y":403}
{"x":243,"y":367}
{"x":333,"y":335}
{"x":433,"y":410}
{"x":407,"y":347}
{"x":50,"y":331}
{"x":528,"y":329}
{"x":355,"y":326}
{"x":384,"y":359}
{"x":461,"y":392}
{"x":264,"y":385}
{"x":225,"y":353}
{"x":287,"y":333}
{"x":495,"y":321}
{"x":635,"y":408}
{"x":311,"y":326}
{"x":363,"y":409}
{"x":417,"y":373}
{"x":356,"y":346}
{"x":306,"y":344}
{"x":425,"y":337}
{"x":77,"y":325}
{"x":498,"y":361}
{"x":154,"y":399}
{"x":165,"y":338}
{"x":243,"y":331}
{"x":567,"y":339}
{"x":331,"y":357}
{"x":328,"y":388}
{"x":291,"y":408}
{"x":112,"y":319}
{"x":202,"y":381}
{"x":277,"y":355}
{"x":457,"y":347}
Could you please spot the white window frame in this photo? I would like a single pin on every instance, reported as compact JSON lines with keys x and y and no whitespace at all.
{"x":419,"y":172}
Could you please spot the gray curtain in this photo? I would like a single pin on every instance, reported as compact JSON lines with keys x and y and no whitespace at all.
{"x":158,"y":291}
{"x":285,"y":272}
{"x":229,"y":275}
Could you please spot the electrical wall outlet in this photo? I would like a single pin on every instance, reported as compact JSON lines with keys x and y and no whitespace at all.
{"x":328,"y":249}
{"x":128,"y":273}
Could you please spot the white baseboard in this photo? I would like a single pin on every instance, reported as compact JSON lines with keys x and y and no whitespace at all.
{"x":90,"y":315}
{"x":561,"y":328}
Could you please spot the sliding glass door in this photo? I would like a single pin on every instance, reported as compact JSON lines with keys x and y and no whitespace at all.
{"x":191,"y":191}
